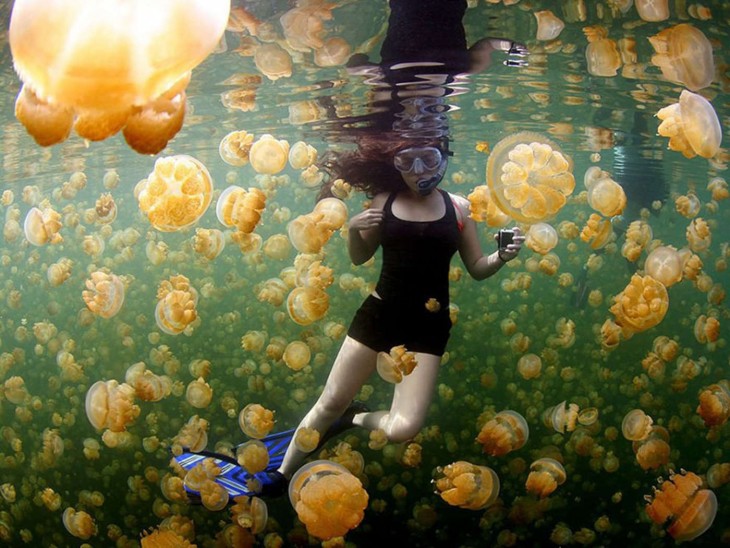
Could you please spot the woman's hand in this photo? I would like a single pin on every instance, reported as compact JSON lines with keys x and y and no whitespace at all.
{"x":365,"y":220}
{"x":510,"y":252}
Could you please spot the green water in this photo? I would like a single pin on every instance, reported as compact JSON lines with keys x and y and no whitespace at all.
{"x":555,"y":96}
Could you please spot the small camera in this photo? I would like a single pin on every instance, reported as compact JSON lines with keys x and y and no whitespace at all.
{"x":504,"y":238}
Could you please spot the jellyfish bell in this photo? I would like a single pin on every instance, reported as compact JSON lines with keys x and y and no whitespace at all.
{"x":255,"y":420}
{"x":253,"y":456}
{"x":506,"y":432}
{"x":541,"y":238}
{"x":684,"y":55}
{"x":681,"y":501}
{"x":636,"y":425}
{"x":235,"y":147}
{"x":42,"y":225}
{"x":467,"y":485}
{"x":607,"y":197}
{"x":297,"y":355}
{"x":528,"y":176}
{"x":302,"y":155}
{"x":641,"y":305}
{"x":307,"y":305}
{"x":664,"y":264}
{"x":546,"y":474}
{"x":333,"y":211}
{"x":692,"y":126}
{"x":63,"y":52}
{"x":549,"y":26}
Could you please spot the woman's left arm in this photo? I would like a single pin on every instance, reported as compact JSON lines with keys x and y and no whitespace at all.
{"x":479,"y":265}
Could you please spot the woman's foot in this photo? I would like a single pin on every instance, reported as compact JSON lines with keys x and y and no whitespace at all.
{"x":344,"y":423}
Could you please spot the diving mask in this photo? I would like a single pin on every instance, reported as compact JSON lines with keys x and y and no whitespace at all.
{"x":422,"y":161}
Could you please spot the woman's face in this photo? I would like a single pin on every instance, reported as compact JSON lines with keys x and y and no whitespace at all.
{"x":421,"y":168}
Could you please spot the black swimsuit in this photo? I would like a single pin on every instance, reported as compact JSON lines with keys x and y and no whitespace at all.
{"x":416,"y":260}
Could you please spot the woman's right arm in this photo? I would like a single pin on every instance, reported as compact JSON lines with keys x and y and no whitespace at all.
{"x":363,"y":235}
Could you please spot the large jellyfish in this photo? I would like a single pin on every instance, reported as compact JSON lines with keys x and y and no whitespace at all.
{"x":692,"y":126}
{"x":680,"y":500}
{"x":506,"y":432}
{"x":104,"y":66}
{"x":528,"y":177}
{"x":467,"y":485}
{"x":684,"y":54}
{"x":642,"y":304}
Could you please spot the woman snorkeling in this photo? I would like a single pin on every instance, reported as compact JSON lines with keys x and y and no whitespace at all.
{"x":419,"y":228}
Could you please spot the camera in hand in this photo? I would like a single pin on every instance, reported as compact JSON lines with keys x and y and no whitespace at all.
{"x":504,"y":238}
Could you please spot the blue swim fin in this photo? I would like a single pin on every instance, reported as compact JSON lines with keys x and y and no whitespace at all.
{"x":233,"y":477}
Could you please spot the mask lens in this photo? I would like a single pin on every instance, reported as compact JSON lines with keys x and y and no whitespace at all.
{"x":429,"y":157}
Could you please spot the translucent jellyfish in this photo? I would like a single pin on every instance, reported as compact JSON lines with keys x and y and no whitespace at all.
{"x":714,"y":407}
{"x":664,"y":264}
{"x":653,"y":451}
{"x":68,"y":81}
{"x":42,"y":225}
{"x":277,"y":247}
{"x":528,"y":177}
{"x":719,"y":189}
{"x":482,"y":208}
{"x":506,"y":432}
{"x":562,"y":417}
{"x":273,"y":61}
{"x":467,"y":485}
{"x":255,"y":420}
{"x":688,"y":205}
{"x":306,"y":439}
{"x":105,"y":209}
{"x":541,"y":238}
{"x":652,"y":10}
{"x":549,"y":26}
{"x":15,"y":391}
{"x":602,"y":55}
{"x":151,"y":387}
{"x":692,"y":126}
{"x":176,"y":305}
{"x":208,"y":242}
{"x":308,"y":234}
{"x":240,"y":208}
{"x":302,"y":155}
{"x":706,"y":329}
{"x":104,"y":294}
{"x":396,"y":364}
{"x":250,"y":513}
{"x":297,"y":355}
{"x":636,"y":425}
{"x":333,"y":213}
{"x":698,"y":235}
{"x":253,"y":456}
{"x":335,"y":51}
{"x":213,"y":496}
{"x":176,"y":194}
{"x":163,"y":537}
{"x":607,"y":197}
{"x":638,"y":236}
{"x":303,"y":26}
{"x":641,"y":305}
{"x":193,"y":435}
{"x":597,"y":231}
{"x":199,"y":393}
{"x":235,"y":148}
{"x":307,"y":304}
{"x":680,"y":500}
{"x":111,"y":405}
{"x":328,"y":499}
{"x":529,"y":366}
{"x":718,"y":474}
{"x":545,"y":476}
{"x":269,"y":155}
{"x":59,"y":272}
{"x":684,"y":54}
{"x":79,"y":523}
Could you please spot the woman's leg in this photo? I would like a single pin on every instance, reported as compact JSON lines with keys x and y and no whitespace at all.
{"x":354,"y":363}
{"x":411,"y":399}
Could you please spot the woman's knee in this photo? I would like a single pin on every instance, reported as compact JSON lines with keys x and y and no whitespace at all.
{"x":400,"y":429}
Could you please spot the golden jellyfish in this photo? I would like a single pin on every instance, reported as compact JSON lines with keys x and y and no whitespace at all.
{"x":714,"y":407}
{"x":308,"y":234}
{"x":240,"y":208}
{"x":199,"y":393}
{"x":562,"y":417}
{"x":394,"y":365}
{"x":641,"y":305}
{"x":328,"y":499}
{"x":506,"y":432}
{"x":302,"y":155}
{"x":297,"y":355}
{"x":529,"y":177}
{"x":250,"y":513}
{"x":166,"y":537}
{"x":235,"y":148}
{"x":607,"y":197}
{"x":680,"y":500}
{"x":688,"y":205}
{"x":105,"y":209}
{"x":684,"y":55}
{"x":638,"y":236}
{"x":706,"y":329}
{"x":213,"y":496}
{"x":193,"y":435}
{"x":467,"y":485}
{"x":307,"y":439}
{"x":541,"y":238}
{"x":111,"y":405}
{"x":63,"y":53}
{"x":546,"y":474}
{"x":272,"y":291}
{"x":597,"y":231}
{"x":255,"y":420}
{"x":653,"y":451}
{"x":42,"y":225}
{"x":482,"y":208}
{"x":549,"y":26}
{"x":333,"y":212}
{"x":104,"y":294}
{"x":79,"y":523}
{"x":176,"y":194}
{"x":176,"y":305}
{"x":335,"y":51}
{"x":652,"y":10}
{"x":277,"y":247}
{"x":636,"y":425}
{"x":269,"y":155}
{"x":151,"y":387}
{"x":718,"y":474}
{"x":14,"y":390}
{"x":529,"y":366}
{"x":664,"y":264}
{"x":208,"y":242}
{"x":602,"y":55}
{"x":307,"y":304}
{"x":253,"y":456}
{"x":719,"y":189}
{"x":698,"y":235}
{"x":692,"y":126}
{"x":303,"y":26}
{"x":59,"y":272}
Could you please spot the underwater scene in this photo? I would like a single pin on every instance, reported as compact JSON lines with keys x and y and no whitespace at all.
{"x":171,"y":281}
